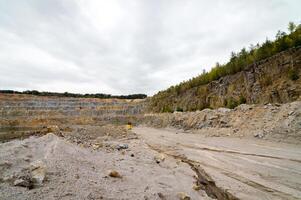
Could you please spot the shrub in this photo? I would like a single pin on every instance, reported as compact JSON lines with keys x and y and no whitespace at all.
{"x":242,"y":100}
{"x":293,"y":74}
{"x":167,"y":109}
{"x":232,"y":103}
{"x":179,"y":109}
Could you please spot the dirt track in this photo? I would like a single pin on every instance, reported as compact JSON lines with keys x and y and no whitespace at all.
{"x":243,"y":168}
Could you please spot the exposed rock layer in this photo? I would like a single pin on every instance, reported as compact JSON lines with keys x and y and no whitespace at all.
{"x":274,"y":122}
{"x":21,"y":113}
{"x":267,"y":81}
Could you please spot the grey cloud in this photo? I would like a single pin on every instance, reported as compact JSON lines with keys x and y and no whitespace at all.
{"x":122,"y":47}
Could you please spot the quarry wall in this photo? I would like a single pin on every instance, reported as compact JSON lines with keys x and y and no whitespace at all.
{"x":267,"y":81}
{"x":29,"y":112}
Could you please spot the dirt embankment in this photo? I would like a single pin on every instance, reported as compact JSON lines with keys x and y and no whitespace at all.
{"x":274,"y":122}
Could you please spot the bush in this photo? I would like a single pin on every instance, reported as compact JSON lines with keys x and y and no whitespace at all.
{"x":167,"y":109}
{"x":232,"y":103}
{"x":179,"y":109}
{"x":293,"y":74}
{"x":242,"y":100}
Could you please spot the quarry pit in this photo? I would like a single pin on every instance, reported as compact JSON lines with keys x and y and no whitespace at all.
{"x":82,"y":148}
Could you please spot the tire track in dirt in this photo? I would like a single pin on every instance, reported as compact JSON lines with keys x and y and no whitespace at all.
{"x":203,"y":179}
{"x":208,"y":184}
{"x":237,"y":152}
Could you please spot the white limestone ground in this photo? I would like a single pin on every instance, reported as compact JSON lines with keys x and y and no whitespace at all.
{"x":74,"y":172}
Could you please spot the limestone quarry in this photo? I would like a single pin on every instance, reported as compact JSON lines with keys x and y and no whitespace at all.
{"x":88,"y":148}
{"x":69,"y":148}
{"x":150,"y":100}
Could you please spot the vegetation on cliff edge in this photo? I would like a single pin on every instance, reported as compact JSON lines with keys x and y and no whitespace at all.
{"x":238,"y":62}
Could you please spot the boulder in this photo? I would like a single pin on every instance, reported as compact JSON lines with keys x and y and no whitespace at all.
{"x":159,"y":158}
{"x":196,"y":187}
{"x":38,"y":172}
{"x":259,"y":135}
{"x":97,"y":146}
{"x":122,"y":146}
{"x":23,"y":183}
{"x":183,"y":196}
{"x":114,"y":174}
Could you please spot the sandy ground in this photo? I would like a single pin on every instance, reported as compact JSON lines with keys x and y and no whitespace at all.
{"x":246,"y":168}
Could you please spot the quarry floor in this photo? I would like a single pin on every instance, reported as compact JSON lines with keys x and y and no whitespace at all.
{"x":245,"y":168}
{"x":152,"y":164}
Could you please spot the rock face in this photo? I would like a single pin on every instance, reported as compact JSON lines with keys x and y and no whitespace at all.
{"x":274,"y":122}
{"x":20,"y":115}
{"x":263,"y":82}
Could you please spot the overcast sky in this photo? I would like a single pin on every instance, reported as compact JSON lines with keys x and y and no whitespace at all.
{"x":127,"y":46}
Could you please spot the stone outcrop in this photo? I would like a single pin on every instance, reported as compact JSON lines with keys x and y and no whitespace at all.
{"x":273,"y":122}
{"x":267,"y":81}
{"x":23,"y":114}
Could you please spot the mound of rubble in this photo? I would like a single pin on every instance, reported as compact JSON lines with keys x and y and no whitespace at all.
{"x":53,"y":167}
{"x":274,"y":122}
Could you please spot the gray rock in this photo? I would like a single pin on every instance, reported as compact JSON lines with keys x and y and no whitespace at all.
{"x":23,"y":183}
{"x":183,"y":196}
{"x":259,"y":135}
{"x":213,"y":117}
{"x":122,"y":146}
{"x":38,"y":172}
{"x":159,"y":158}
{"x":224,"y":110}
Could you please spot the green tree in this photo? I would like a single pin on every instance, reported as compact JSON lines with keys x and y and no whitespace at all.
{"x":291,"y":27}
{"x":238,"y":61}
